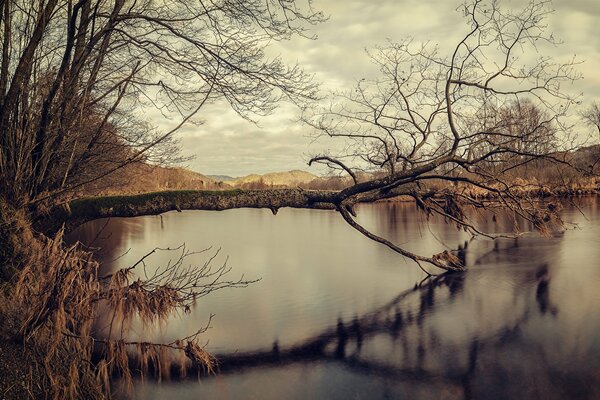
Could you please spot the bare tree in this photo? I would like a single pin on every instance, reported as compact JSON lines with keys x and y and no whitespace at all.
{"x":78,"y":77}
{"x":591,"y":116}
{"x":461,"y":120}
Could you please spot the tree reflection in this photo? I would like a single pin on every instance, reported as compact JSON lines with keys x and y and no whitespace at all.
{"x":402,"y":341}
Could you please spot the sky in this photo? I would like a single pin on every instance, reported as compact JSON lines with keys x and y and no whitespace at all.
{"x":228,"y":145}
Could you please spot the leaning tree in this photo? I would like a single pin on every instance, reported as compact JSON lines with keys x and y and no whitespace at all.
{"x":452,"y":128}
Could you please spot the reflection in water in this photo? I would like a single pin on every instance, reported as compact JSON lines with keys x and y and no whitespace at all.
{"x":521,"y":323}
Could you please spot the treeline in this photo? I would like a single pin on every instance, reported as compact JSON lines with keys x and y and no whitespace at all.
{"x":577,"y":171}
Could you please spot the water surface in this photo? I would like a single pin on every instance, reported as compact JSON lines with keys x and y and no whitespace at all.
{"x":337,"y":316}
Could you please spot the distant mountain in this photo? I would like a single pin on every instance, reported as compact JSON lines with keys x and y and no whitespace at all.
{"x":221,"y":178}
{"x":141,"y":178}
{"x":285,"y":179}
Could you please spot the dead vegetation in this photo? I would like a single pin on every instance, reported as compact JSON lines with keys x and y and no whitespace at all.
{"x":54,"y":308}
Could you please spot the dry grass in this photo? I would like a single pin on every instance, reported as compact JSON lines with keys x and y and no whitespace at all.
{"x":54,"y":300}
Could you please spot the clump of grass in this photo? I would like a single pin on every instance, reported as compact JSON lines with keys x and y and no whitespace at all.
{"x":17,"y":240}
{"x":55,"y":300}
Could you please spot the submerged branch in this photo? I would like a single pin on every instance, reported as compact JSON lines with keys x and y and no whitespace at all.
{"x":446,"y":261}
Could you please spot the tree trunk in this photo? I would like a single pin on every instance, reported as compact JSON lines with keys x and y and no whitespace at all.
{"x":79,"y":211}
{"x":82,"y":210}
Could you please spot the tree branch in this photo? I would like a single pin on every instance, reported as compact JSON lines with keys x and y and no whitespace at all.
{"x":80,"y":211}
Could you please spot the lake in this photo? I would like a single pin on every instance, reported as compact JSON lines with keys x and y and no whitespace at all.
{"x":337,"y":316}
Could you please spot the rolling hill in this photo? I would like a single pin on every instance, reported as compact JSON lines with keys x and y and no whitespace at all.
{"x":278,"y":179}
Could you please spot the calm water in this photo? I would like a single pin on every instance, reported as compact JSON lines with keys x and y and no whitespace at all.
{"x":336,"y":316}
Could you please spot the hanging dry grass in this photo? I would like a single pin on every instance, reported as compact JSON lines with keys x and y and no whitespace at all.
{"x":59,"y":293}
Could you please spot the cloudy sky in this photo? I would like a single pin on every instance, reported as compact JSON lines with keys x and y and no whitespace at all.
{"x":226,"y":144}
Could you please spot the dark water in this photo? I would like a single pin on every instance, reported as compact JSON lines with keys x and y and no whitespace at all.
{"x":347,"y":321}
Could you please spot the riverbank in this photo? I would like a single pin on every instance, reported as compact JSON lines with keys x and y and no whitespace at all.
{"x":532,"y":193}
{"x":34,"y":362}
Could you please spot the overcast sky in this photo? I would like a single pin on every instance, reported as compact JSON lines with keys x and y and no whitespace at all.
{"x":226,"y":144}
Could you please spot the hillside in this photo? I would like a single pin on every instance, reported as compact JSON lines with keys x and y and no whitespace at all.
{"x":140,"y":178}
{"x":180,"y":178}
{"x":221,"y":178}
{"x":277,"y":179}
